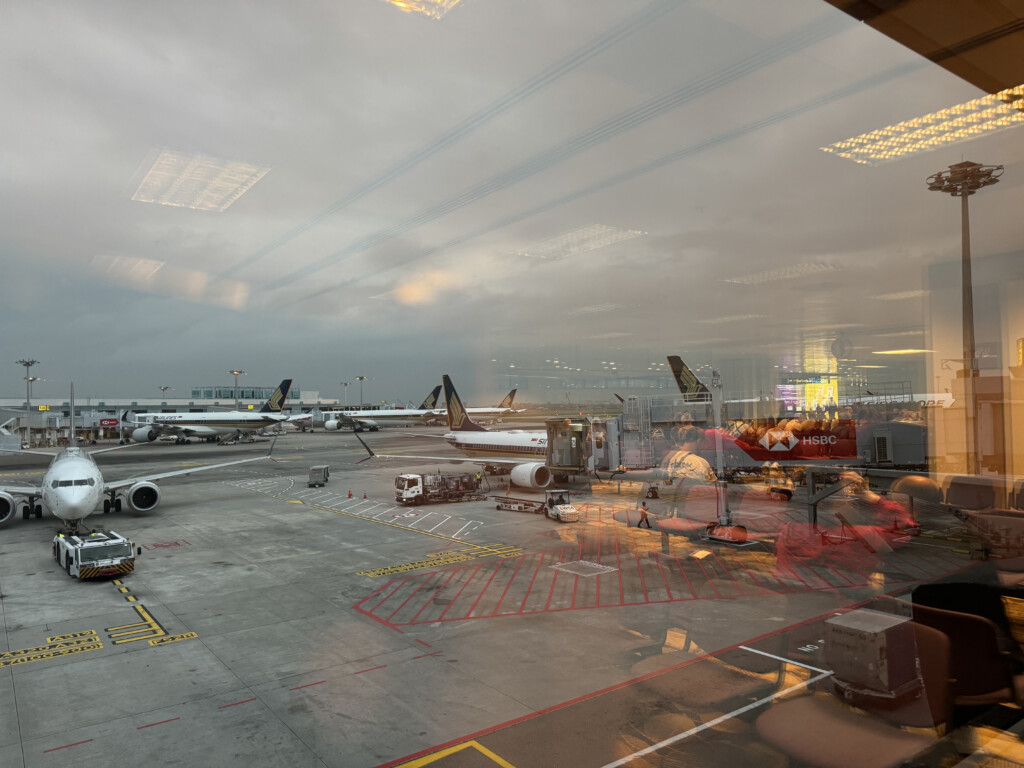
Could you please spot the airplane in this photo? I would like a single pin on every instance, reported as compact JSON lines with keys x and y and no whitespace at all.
{"x":212,"y":426}
{"x":525,"y":451}
{"x":73,"y":486}
{"x":503,"y":408}
{"x":357,"y":420}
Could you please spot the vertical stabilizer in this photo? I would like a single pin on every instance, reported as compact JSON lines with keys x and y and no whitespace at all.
{"x":276,"y":402}
{"x":458,"y":419}
{"x":431,"y":400}
{"x":686,"y":380}
{"x":618,"y":397}
{"x":509,"y":398}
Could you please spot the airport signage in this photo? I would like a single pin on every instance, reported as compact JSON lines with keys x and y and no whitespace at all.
{"x":109,"y":422}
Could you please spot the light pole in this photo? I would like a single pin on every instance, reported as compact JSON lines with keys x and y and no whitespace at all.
{"x":360,"y":379}
{"x":28,"y":393}
{"x":963,"y":180}
{"x":163,"y":390}
{"x":345,"y":385}
{"x":236,"y":374}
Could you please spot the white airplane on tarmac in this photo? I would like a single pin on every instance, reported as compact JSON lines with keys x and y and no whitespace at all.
{"x":358,"y":420}
{"x":73,"y":486}
{"x":524,"y":450}
{"x":213,"y":425}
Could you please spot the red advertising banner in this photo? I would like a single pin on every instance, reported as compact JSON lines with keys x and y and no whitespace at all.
{"x":109,"y":422}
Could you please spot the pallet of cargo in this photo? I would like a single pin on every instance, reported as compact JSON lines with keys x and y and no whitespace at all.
{"x":519,"y":505}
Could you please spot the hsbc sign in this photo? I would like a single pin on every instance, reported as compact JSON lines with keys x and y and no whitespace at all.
{"x":109,"y":422}
{"x":821,"y":440}
{"x":806,"y":442}
{"x":779,"y":440}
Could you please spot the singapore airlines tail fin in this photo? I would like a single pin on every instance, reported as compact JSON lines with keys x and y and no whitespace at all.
{"x":618,"y":397}
{"x":458,"y":419}
{"x":431,"y":400}
{"x":276,"y":402}
{"x":507,"y":402}
{"x":686,"y":380}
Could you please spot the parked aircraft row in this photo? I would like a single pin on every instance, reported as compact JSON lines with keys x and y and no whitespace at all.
{"x":73,"y":486}
{"x":372,"y":420}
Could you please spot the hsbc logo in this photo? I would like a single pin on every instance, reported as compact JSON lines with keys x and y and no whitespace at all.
{"x":821,"y":440}
{"x":779,"y":440}
{"x":784,"y":440}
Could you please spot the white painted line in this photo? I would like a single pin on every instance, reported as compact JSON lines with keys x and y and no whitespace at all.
{"x":384,"y":512}
{"x":446,"y":519}
{"x":788,"y":661}
{"x":712,"y":723}
{"x":421,"y":519}
{"x":375,"y":505}
{"x":463,"y":528}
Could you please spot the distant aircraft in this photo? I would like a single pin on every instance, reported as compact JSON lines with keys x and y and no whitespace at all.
{"x":524,"y":450}
{"x":211,"y":426}
{"x":73,"y":486}
{"x":503,"y":408}
{"x":357,"y":420}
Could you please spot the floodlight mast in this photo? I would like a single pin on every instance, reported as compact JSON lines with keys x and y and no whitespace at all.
{"x":236,"y":373}
{"x":963,"y":180}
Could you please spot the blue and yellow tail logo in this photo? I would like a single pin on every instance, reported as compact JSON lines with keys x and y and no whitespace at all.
{"x":431,"y":401}
{"x":276,"y":401}
{"x":509,"y":398}
{"x":458,"y":419}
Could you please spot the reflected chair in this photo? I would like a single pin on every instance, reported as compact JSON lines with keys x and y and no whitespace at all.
{"x":819,"y":730}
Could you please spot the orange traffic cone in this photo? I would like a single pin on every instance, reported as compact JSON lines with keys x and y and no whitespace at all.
{"x":364,"y":494}
{"x":350,"y":493}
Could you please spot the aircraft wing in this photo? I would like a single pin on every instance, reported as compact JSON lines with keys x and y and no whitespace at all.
{"x":448,"y":459}
{"x":48,"y":454}
{"x":179,"y":472}
{"x":21,"y":490}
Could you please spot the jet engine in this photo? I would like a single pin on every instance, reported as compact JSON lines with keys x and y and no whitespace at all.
{"x":8,"y":506}
{"x":143,"y":496}
{"x":144,"y":435}
{"x":332,"y":425}
{"x":534,"y":475}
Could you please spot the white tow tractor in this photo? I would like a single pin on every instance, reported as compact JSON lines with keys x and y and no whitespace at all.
{"x":558,"y":507}
{"x":89,"y":555}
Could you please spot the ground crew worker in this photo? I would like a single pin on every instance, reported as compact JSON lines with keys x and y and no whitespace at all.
{"x":643,"y":515}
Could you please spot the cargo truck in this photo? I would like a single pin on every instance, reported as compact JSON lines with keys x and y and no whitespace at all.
{"x":437,"y":487}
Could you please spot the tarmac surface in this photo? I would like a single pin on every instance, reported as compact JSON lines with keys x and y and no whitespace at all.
{"x":272,"y":624}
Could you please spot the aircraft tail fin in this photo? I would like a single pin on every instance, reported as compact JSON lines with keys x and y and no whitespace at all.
{"x":430,"y":402}
{"x":509,"y":398}
{"x":618,"y":397}
{"x":458,"y":419}
{"x":686,"y":380}
{"x":276,"y":402}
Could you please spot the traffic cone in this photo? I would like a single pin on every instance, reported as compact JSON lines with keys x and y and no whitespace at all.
{"x":364,"y":494}
{"x":350,"y":493}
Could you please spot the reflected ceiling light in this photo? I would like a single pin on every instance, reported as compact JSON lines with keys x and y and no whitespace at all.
{"x":199,"y":182}
{"x":730,"y":319}
{"x":783,"y":273}
{"x":900,"y":295}
{"x":435,"y":9}
{"x":903,"y":351}
{"x":593,"y":308}
{"x":578,"y":241}
{"x":923,"y":134}
{"x":158,"y":277}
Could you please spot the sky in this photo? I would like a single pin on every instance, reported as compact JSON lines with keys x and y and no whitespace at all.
{"x":596,"y":183}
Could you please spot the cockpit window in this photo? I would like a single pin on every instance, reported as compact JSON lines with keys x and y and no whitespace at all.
{"x":65,"y":483}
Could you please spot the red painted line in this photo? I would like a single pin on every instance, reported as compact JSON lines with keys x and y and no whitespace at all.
{"x":661,"y":570}
{"x":307,"y":685}
{"x":529,"y":589}
{"x":725,"y":567}
{"x":436,"y":593}
{"x":575,"y":586}
{"x":689,"y":584}
{"x":509,"y":585}
{"x":426,"y":644}
{"x":640,"y":571}
{"x":618,"y":565}
{"x":423,"y":656}
{"x":160,"y":723}
{"x":551,"y":593}
{"x":365,"y":670}
{"x":615,"y":687}
{"x":399,"y":583}
{"x":423,"y":583}
{"x":750,"y":574}
{"x":483,"y":591}
{"x":456,"y":598}
{"x":75,"y":744}
{"x":379,"y":619}
{"x":710,"y":580}
{"x":235,"y":704}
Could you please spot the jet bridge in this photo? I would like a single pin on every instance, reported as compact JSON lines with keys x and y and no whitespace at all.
{"x":569,"y":448}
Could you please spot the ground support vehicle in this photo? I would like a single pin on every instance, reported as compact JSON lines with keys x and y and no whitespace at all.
{"x":89,"y":555}
{"x":438,"y":487}
{"x":558,"y":507}
{"x":319,"y":475}
{"x":519,"y":505}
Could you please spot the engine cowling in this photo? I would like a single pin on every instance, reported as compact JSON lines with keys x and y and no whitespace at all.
{"x":144,"y":435}
{"x":8,"y":506}
{"x":143,"y":496}
{"x":534,"y":475}
{"x":332,"y":425}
